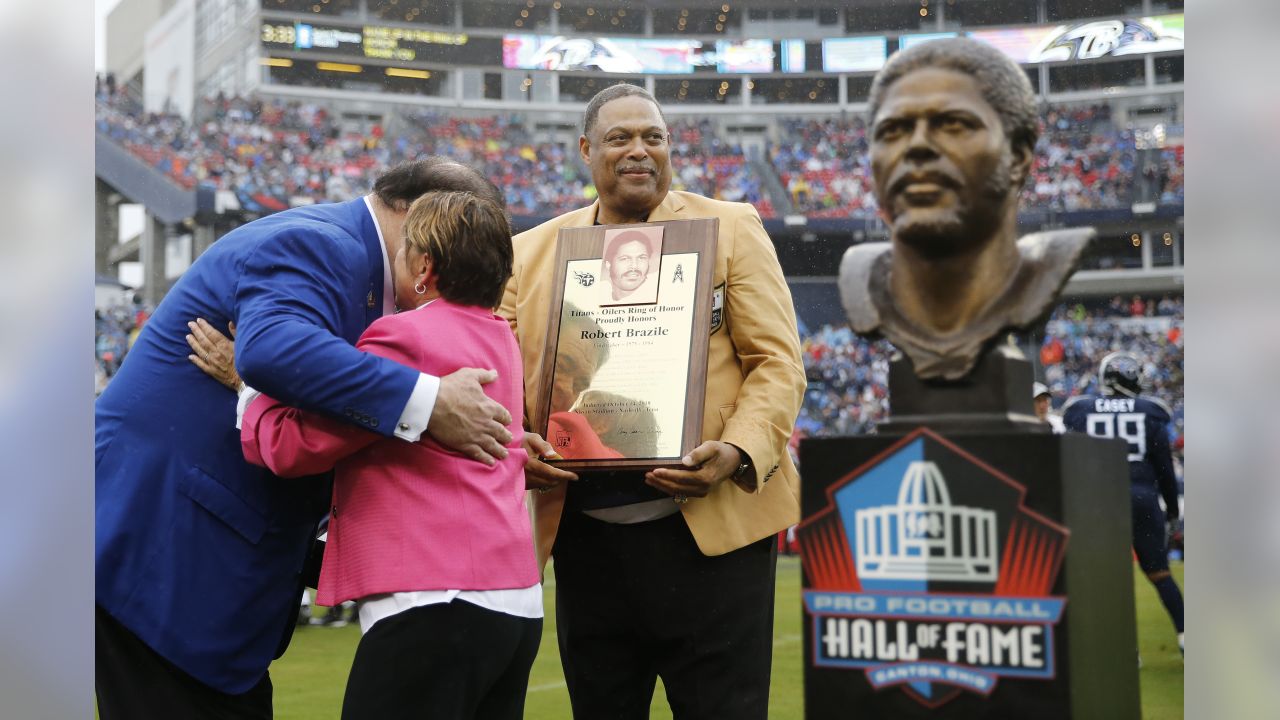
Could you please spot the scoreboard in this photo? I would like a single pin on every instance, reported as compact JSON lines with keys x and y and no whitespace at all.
{"x":380,"y":42}
{"x":1087,"y":40}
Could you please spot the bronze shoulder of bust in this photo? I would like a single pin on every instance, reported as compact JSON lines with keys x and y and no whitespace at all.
{"x":1045,"y":262}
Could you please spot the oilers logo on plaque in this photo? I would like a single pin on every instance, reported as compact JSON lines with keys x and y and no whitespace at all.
{"x":925,"y":572}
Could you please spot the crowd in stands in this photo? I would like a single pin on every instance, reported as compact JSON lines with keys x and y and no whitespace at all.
{"x":267,"y":152}
{"x":115,"y":329}
{"x":1082,"y":162}
{"x":824,"y":167}
{"x":1079,"y":336}
{"x":537,"y":177}
{"x":704,"y":163}
{"x":848,"y":376}
{"x":273,"y":153}
{"x":1167,"y":175}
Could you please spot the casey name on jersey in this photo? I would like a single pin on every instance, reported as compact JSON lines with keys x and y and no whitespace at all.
{"x":1110,"y":404}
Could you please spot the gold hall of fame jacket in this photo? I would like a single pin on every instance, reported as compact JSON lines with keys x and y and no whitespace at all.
{"x":755,"y":377}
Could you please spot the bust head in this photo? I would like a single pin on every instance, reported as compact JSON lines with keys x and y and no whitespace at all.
{"x":953,"y":131}
{"x":953,"y":127}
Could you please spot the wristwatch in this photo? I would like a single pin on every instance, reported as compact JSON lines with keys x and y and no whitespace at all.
{"x":744,"y":466}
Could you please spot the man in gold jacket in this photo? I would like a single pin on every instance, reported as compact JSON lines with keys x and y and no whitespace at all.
{"x":670,"y":573}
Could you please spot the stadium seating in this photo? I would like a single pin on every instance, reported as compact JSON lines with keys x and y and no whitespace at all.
{"x":1083,"y":162}
{"x":273,"y":154}
{"x":295,"y":151}
{"x":848,"y":376}
{"x":823,"y":166}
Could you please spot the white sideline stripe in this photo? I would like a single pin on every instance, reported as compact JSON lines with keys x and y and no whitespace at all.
{"x":783,"y":640}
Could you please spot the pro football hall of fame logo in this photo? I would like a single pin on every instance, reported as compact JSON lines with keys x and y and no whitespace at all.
{"x":926,"y":574}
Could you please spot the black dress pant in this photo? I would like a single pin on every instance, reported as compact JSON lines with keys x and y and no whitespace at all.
{"x":638,"y":602}
{"x":133,"y":682}
{"x":449,"y":661}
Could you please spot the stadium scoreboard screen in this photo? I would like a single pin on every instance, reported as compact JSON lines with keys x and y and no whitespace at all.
{"x":380,"y":42}
{"x":1027,"y":45}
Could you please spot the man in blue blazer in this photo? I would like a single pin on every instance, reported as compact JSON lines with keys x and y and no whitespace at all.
{"x":199,"y":554}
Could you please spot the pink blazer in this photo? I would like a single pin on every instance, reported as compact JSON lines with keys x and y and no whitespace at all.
{"x":412,"y":516}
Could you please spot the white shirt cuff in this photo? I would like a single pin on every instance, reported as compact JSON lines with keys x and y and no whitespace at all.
{"x":417,"y":412}
{"x":247,"y":395}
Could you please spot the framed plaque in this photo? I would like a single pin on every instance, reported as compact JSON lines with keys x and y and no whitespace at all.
{"x":625,"y":364}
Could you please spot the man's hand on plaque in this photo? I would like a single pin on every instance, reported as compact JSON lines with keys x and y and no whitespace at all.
{"x":709,"y":464}
{"x":538,"y":475}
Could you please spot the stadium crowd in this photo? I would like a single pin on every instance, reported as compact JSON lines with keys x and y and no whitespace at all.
{"x":1083,"y":162}
{"x":273,"y":153}
{"x":1079,"y":335}
{"x":848,"y":376}
{"x":1167,"y":175}
{"x":115,"y":329}
{"x":824,"y":167}
{"x":705,"y":164}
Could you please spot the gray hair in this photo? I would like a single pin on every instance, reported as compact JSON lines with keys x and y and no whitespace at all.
{"x":1003,"y":84}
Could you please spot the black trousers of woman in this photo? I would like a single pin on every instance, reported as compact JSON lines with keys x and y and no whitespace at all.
{"x":449,"y":661}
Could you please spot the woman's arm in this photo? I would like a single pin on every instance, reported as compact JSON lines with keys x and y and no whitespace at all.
{"x":287,"y":441}
{"x":292,"y":443}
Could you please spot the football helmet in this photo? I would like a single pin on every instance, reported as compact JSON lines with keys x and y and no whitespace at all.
{"x":1120,"y":373}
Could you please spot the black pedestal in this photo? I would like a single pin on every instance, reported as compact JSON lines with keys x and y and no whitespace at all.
{"x":981,"y":573}
{"x":995,"y":395}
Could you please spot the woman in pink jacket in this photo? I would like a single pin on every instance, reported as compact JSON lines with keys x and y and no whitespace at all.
{"x":438,"y":546}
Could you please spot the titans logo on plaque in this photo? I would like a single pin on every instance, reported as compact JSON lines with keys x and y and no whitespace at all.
{"x":925,"y":572}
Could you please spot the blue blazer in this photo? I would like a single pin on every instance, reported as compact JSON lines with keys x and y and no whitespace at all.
{"x":198,"y":552}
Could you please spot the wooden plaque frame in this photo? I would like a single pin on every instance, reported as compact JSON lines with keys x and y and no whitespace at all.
{"x":587,"y":243}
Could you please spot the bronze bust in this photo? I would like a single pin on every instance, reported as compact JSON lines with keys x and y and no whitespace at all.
{"x":953,"y":131}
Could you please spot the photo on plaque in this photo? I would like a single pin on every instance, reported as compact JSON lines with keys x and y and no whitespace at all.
{"x":627,"y":344}
{"x":630,"y":269}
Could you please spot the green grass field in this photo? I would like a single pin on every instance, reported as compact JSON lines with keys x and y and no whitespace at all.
{"x":310,"y":678}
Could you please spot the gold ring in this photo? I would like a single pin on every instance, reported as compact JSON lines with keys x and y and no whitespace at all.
{"x":681,"y":498}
